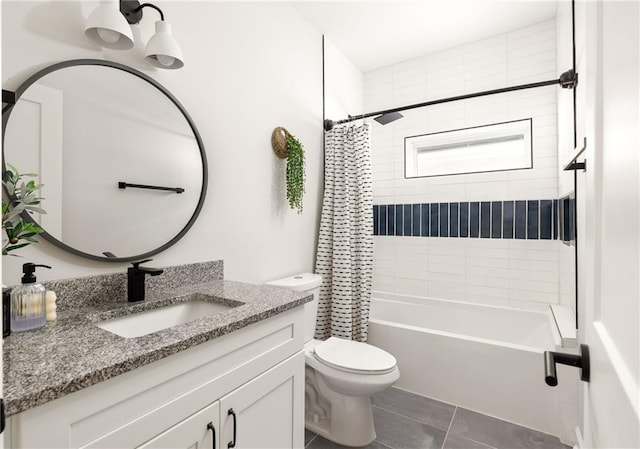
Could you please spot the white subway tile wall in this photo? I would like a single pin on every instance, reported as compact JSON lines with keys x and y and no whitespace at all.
{"x":520,"y":273}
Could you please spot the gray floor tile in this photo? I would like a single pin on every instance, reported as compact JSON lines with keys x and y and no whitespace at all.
{"x":308,"y":436}
{"x":500,"y":434}
{"x":323,"y":443}
{"x":458,"y":442}
{"x":427,"y":411}
{"x":397,"y":432}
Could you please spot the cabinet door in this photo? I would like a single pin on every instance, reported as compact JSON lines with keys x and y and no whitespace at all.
{"x":199,"y":431}
{"x":267,"y":412}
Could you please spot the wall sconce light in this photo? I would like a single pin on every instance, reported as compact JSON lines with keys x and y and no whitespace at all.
{"x":110,"y":27}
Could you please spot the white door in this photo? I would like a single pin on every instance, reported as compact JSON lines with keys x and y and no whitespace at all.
{"x":267,"y":412}
{"x":40,"y":109}
{"x":609,"y":226}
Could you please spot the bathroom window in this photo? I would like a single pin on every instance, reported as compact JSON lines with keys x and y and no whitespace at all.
{"x":501,"y":146}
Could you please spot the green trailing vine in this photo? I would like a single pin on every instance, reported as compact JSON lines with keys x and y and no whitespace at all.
{"x":295,"y":173}
{"x":23,"y":197}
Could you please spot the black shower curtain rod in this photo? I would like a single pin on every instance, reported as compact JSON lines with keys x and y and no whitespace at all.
{"x":567,"y":80}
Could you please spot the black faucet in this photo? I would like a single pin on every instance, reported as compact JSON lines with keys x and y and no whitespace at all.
{"x":135,"y":280}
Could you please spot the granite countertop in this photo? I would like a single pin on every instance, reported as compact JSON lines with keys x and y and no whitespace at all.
{"x":72,"y":353}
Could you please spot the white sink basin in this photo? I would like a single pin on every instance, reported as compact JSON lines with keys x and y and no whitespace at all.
{"x":149,"y":321}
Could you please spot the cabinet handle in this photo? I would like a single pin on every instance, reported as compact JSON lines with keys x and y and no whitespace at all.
{"x":232,"y":443}
{"x":213,"y":435}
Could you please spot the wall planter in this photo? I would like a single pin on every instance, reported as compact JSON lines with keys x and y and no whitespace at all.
{"x":286,"y":145}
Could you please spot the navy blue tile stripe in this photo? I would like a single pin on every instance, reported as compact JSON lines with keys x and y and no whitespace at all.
{"x":416,"y":220}
{"x":408,"y":219}
{"x":521,"y":219}
{"x":424,"y":220}
{"x":485,"y":219}
{"x":555,"y":219}
{"x":444,"y":219}
{"x":546,"y":219}
{"x":474,"y":220}
{"x":496,"y":219}
{"x":453,"y":220}
{"x":533,"y":219}
{"x":464,"y":220}
{"x":376,"y":220}
{"x":527,"y":219}
{"x":391,"y":219}
{"x":435,"y":220}
{"x":507,"y":220}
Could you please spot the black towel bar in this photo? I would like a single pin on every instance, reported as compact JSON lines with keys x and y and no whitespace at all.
{"x":124,"y":185}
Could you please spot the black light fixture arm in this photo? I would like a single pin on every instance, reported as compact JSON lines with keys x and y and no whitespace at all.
{"x":567,"y":80}
{"x":149,"y":5}
{"x":132,"y":10}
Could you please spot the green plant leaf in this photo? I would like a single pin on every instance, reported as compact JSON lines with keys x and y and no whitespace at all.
{"x":23,"y":198}
{"x":17,"y":246}
{"x":295,"y":173}
{"x":36,"y":210}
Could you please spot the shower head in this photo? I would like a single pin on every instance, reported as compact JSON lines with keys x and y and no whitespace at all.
{"x":383,"y":119}
{"x":388,"y":117}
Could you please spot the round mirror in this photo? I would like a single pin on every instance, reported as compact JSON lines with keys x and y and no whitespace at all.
{"x":123,"y":165}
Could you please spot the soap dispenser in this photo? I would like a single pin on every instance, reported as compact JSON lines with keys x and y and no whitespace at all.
{"x":28,"y":301}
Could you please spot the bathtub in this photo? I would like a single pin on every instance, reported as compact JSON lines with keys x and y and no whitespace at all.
{"x":483,"y":358}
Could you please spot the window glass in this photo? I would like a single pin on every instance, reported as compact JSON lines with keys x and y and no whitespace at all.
{"x":501,"y":146}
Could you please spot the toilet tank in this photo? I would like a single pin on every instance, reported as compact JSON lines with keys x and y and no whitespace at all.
{"x":304,"y":282}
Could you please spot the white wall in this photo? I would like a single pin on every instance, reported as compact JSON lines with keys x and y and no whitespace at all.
{"x":343,"y":84}
{"x":507,"y":272}
{"x":249,"y":67}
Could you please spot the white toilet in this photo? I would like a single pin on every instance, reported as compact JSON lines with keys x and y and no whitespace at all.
{"x":341,"y":376}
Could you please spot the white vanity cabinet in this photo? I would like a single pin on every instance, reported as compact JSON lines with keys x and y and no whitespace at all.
{"x":256,"y":415}
{"x":262,"y":409}
{"x":257,"y":372}
{"x":198,"y":431}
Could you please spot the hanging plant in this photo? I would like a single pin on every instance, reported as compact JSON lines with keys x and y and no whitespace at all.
{"x":295,"y":172}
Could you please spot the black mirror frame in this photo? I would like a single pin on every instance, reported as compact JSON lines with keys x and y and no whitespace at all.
{"x":6,"y":113}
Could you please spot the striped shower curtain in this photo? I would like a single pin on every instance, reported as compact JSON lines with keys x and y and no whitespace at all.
{"x":345,"y":242}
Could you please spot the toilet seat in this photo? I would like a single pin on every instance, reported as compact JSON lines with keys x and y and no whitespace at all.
{"x":354,"y":357}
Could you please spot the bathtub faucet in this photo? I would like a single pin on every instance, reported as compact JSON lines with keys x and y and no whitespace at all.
{"x":580,"y":361}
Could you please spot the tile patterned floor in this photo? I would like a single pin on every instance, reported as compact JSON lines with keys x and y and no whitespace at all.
{"x":407,"y":421}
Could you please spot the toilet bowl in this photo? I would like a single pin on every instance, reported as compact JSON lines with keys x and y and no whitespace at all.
{"x":340,"y":376}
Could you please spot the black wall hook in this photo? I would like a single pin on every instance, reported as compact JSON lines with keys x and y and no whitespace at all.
{"x":581,"y":361}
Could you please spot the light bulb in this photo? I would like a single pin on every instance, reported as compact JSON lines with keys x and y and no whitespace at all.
{"x":165,"y":60}
{"x":108,"y":36}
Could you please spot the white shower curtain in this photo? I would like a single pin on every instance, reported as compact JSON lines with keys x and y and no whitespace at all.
{"x":345,"y":242}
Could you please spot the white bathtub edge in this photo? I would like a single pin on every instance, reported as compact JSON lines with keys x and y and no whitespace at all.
{"x":459,"y":336}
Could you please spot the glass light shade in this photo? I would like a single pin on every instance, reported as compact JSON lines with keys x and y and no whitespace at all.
{"x":108,"y":36}
{"x":107,"y":26}
{"x":162,"y":49}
